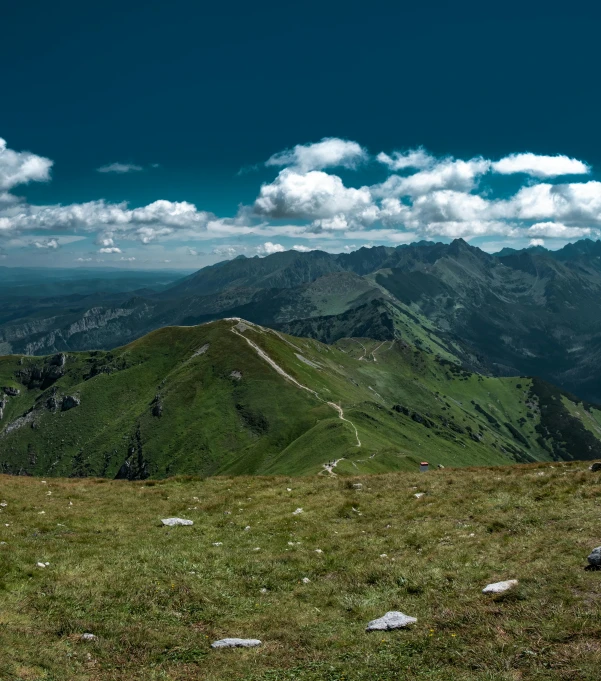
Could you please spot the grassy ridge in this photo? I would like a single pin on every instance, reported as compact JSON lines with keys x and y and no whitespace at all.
{"x":156,"y":597}
{"x":202,"y":401}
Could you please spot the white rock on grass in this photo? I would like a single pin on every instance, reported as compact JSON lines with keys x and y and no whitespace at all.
{"x":42,"y":565}
{"x":391,"y":620}
{"x":217,"y":543}
{"x":89,"y":637}
{"x":236,"y":643}
{"x":500,"y":587}
{"x":297,"y":512}
{"x":306,"y":580}
{"x":172,"y":522}
{"x":419,"y":495}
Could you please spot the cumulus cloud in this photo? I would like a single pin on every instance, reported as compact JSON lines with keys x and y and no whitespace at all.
{"x":127,"y":259}
{"x":423,"y":197}
{"x":314,"y":194}
{"x":329,"y":153}
{"x":302,"y":249}
{"x":536,"y":242}
{"x":147,"y":223}
{"x":269,"y":248}
{"x":119,"y":168}
{"x":21,"y":167}
{"x":540,"y":166}
{"x":447,"y":174}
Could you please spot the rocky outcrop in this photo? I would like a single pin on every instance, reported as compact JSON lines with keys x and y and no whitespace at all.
{"x":157,"y":406}
{"x":69,"y":402}
{"x":40,"y":376}
{"x":10,"y":391}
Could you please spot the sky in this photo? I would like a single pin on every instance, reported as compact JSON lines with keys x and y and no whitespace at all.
{"x":153,"y":134}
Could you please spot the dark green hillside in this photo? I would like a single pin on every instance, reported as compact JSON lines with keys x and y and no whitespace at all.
{"x":233,"y":397}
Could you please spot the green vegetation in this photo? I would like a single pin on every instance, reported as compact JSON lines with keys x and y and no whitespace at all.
{"x":233,"y":397}
{"x":156,"y":597}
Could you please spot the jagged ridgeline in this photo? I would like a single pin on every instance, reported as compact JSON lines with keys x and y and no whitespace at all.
{"x":234,"y":397}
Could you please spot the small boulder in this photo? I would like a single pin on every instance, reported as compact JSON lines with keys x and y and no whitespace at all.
{"x":89,"y":637}
{"x":595,"y":467}
{"x":297,"y":512}
{"x":500,"y":587}
{"x":236,"y":643}
{"x":391,"y":620}
{"x":11,"y":392}
{"x":594,"y":557}
{"x":357,"y":485}
{"x":172,"y":522}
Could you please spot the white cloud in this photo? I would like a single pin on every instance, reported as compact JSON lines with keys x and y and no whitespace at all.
{"x":557,"y":230}
{"x":120,"y":168}
{"x":147,"y":223}
{"x":127,"y":259}
{"x":113,"y":249}
{"x":311,"y":195}
{"x":329,"y":153}
{"x":414,"y":158}
{"x":21,"y":167}
{"x":536,"y":242}
{"x":47,"y":243}
{"x":269,"y":248}
{"x":302,"y":249}
{"x":540,"y":166}
{"x":447,"y":174}
{"x":83,"y":259}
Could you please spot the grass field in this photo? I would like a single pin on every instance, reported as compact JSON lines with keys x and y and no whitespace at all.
{"x":156,"y":597}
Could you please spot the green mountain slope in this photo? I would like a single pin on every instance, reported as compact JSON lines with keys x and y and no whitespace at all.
{"x":234,"y":397}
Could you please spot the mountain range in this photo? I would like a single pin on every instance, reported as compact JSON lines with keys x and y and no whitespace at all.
{"x":518,"y":312}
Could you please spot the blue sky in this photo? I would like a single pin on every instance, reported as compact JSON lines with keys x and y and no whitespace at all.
{"x":140,"y":134}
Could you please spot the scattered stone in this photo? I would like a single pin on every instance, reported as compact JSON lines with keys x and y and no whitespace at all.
{"x":217,"y":543}
{"x":318,"y":551}
{"x":297,"y":512}
{"x":236,"y":643}
{"x":89,"y":637}
{"x":247,"y":528}
{"x":288,"y":489}
{"x":237,"y":375}
{"x":419,"y":495}
{"x":594,"y":557}
{"x":172,"y":522}
{"x":263,"y":590}
{"x":41,"y":565}
{"x":305,"y":580}
{"x":595,"y":467}
{"x":500,"y":587}
{"x":357,"y":485}
{"x":383,"y":555}
{"x":391,"y":620}
{"x":3,"y":504}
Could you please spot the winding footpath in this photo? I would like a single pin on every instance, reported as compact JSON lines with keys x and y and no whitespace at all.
{"x":264,"y":356}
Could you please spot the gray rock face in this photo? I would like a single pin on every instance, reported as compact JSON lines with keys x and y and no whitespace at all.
{"x":595,"y":467}
{"x":59,"y":360}
{"x":500,"y":587}
{"x":236,"y":643}
{"x":594,"y":557}
{"x":11,"y":392}
{"x":391,"y":620}
{"x":172,"y":522}
{"x":70,"y":401}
